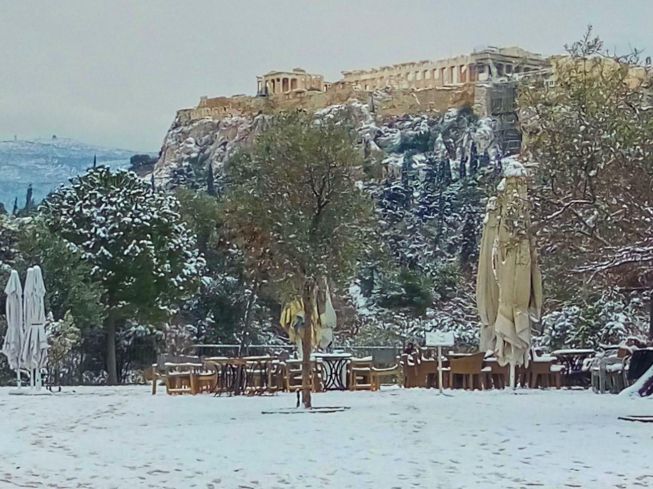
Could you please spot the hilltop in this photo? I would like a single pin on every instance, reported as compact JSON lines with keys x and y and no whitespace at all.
{"x":47,"y":163}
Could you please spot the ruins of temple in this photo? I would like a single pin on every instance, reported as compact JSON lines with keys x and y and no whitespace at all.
{"x":430,"y":85}
{"x":481,"y":65}
{"x":279,"y":82}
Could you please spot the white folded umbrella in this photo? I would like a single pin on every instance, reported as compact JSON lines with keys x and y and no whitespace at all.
{"x":13,"y":341}
{"x":34,"y":353}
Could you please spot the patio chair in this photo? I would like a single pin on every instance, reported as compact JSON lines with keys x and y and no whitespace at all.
{"x":418,"y":371}
{"x":394,"y":372}
{"x":293,"y":374}
{"x":360,"y":373}
{"x":544,"y":374}
{"x":496,"y":375}
{"x":203,"y":379}
{"x":607,"y":373}
{"x":470,"y":368}
{"x":176,"y":366}
{"x":178,"y":378}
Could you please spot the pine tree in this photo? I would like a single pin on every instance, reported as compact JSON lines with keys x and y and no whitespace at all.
{"x":94,"y":161}
{"x":139,"y":249}
{"x":14,"y":212}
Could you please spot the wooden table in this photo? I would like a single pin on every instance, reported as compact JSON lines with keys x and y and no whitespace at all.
{"x":572,"y":360}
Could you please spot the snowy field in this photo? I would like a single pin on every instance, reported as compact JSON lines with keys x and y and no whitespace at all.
{"x":124,"y":438}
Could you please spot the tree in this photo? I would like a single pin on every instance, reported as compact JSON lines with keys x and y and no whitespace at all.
{"x":69,"y":283}
{"x":210,"y":181}
{"x":140,"y":251}
{"x":29,"y":199}
{"x":226,"y":303}
{"x":591,"y":136}
{"x":296,"y":212}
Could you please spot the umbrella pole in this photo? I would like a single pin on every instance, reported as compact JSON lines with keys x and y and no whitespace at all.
{"x":513,"y":383}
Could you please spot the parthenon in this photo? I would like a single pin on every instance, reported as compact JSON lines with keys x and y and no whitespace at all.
{"x":482,"y":65}
{"x":431,"y":83}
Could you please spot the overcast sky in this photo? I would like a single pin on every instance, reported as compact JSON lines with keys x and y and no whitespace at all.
{"x":114,"y":72}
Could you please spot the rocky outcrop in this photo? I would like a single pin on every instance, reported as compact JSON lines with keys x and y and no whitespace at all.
{"x":191,"y":146}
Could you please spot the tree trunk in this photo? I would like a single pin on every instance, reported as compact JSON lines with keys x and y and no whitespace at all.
{"x":248,"y":316}
{"x":650,"y":319}
{"x":112,"y":370}
{"x":307,"y":342}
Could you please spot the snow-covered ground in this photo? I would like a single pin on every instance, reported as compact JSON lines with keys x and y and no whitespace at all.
{"x":124,"y":438}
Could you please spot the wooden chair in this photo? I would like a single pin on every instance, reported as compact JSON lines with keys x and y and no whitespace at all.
{"x":178,"y":368}
{"x":544,"y":374}
{"x":293,"y":376}
{"x":470,"y":368}
{"x":360,"y":373}
{"x":395,"y":373}
{"x":203,"y":379}
{"x":418,"y":371}
{"x":178,"y":378}
{"x":497,"y":376}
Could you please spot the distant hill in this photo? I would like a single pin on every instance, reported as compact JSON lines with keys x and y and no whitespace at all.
{"x":47,"y":163}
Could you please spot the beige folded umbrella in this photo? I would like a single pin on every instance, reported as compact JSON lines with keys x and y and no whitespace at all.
{"x":487,"y":290}
{"x":518,"y":278}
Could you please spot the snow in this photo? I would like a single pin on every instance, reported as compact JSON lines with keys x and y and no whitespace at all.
{"x":105,"y":437}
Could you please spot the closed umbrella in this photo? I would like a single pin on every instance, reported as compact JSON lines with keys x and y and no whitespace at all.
{"x":34,"y":354}
{"x":487,"y":290}
{"x":514,"y":263}
{"x":12,"y":344}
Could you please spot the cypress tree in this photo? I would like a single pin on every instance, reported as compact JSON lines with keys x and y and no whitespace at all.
{"x":29,"y":201}
{"x":15,"y":211}
{"x":94,"y":161}
{"x":210,"y":182}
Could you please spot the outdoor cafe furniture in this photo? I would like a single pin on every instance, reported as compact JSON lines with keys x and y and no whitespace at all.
{"x":336,"y":370}
{"x":470,"y":368}
{"x":417,"y":370}
{"x":641,"y":360}
{"x":495,"y":375}
{"x":380,"y":373}
{"x":576,"y":364}
{"x":174,"y":371}
{"x":293,"y":376}
{"x":177,"y":378}
{"x":203,"y":379}
{"x":544,"y":372}
{"x":360,"y":373}
{"x":608,"y":372}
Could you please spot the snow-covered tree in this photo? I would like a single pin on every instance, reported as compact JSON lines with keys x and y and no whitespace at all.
{"x":139,"y":249}
{"x":591,"y":137}
{"x":295,"y":211}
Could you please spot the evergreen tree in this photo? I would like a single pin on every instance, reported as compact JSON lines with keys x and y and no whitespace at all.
{"x":14,"y":212}
{"x":210,"y":181}
{"x":139,"y":250}
{"x":29,"y":200}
